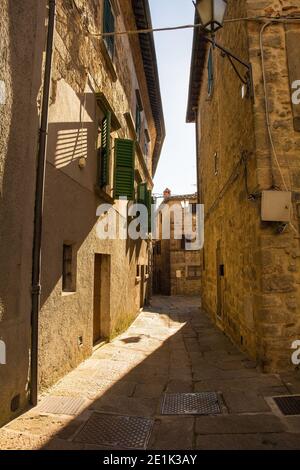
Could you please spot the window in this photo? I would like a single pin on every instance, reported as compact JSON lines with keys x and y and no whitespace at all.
{"x":146,"y":149}
{"x":109,"y":27}
{"x":104,"y":151}
{"x":138,"y":122}
{"x":145,"y":198}
{"x":210,"y":72}
{"x":221,"y":270}
{"x":216,"y":163}
{"x":69,"y":269}
{"x":138,"y":270}
{"x":142,"y":191}
{"x":146,"y":144}
{"x":138,"y":114}
{"x":182,"y":242}
{"x":194,"y":272}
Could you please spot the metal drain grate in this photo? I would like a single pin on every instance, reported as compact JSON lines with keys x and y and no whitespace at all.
{"x":128,"y":432}
{"x":202,"y":403}
{"x":61,"y":405}
{"x":288,"y":405}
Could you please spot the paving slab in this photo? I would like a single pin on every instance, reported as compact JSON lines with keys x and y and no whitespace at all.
{"x":270,"y":441}
{"x":11,"y":440}
{"x":179,"y":386}
{"x":239,"y":424}
{"x":132,"y":406}
{"x":244,"y":402}
{"x":149,"y":390}
{"x":173,"y":434}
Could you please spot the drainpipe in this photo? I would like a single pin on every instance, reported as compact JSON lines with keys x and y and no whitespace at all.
{"x":199,"y":199}
{"x":38,"y":210}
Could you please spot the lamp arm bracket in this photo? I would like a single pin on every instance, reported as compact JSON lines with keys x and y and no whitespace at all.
{"x":243,"y":80}
{"x":248,"y":80}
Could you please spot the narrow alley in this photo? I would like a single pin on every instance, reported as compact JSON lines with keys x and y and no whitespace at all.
{"x":121,"y":397}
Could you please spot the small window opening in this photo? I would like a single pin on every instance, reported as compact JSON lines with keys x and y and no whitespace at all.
{"x":69,"y":269}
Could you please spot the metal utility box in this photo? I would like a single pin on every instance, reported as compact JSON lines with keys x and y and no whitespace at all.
{"x":276,"y":206}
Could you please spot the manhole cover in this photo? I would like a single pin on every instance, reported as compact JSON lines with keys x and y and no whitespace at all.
{"x":128,"y":432}
{"x":202,"y":403}
{"x":61,"y":405}
{"x":288,"y":405}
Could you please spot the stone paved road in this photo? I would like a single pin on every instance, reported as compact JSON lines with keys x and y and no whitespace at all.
{"x":172,"y":347}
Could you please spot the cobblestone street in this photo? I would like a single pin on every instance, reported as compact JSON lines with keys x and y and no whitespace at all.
{"x":171,"y":347}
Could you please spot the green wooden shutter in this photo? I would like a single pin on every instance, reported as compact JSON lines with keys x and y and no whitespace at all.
{"x":124,"y":168}
{"x":148,"y":204}
{"x":105,"y":150}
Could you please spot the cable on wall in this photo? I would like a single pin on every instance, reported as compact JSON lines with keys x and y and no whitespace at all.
{"x":267,"y":113}
{"x":267,"y":109}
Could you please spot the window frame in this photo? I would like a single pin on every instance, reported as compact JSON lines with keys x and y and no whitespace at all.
{"x":109,"y":41}
{"x":210,"y":73}
{"x":69,"y":286}
{"x":147,"y":141}
{"x":138,"y":121}
{"x":104,"y":152}
{"x":194,"y":275}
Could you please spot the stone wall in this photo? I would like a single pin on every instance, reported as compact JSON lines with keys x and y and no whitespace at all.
{"x":22,"y":32}
{"x":231,"y":224}
{"x":279,"y":314}
{"x":250,"y":273}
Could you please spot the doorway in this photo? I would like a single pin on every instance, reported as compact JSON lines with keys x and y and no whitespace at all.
{"x":101,"y":319}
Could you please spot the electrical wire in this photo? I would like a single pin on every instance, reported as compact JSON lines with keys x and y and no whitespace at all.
{"x":194,"y":26}
{"x":233,"y":176}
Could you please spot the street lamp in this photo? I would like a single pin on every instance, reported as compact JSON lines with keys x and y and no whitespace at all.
{"x":211,"y":13}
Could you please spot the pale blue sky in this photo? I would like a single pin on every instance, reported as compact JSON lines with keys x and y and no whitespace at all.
{"x":177,"y":165}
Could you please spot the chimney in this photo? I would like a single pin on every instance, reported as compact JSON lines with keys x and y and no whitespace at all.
{"x":167,"y":194}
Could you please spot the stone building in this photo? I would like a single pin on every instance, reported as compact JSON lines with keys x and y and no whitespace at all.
{"x":105,"y":134}
{"x":176,"y":268}
{"x":247,"y":174}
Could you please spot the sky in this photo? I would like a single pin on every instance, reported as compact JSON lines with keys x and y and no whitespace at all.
{"x":177,"y":166}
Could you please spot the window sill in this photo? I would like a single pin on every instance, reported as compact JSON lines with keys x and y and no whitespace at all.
{"x":68,"y":294}
{"x":138,"y":280}
{"x":103,"y":194}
